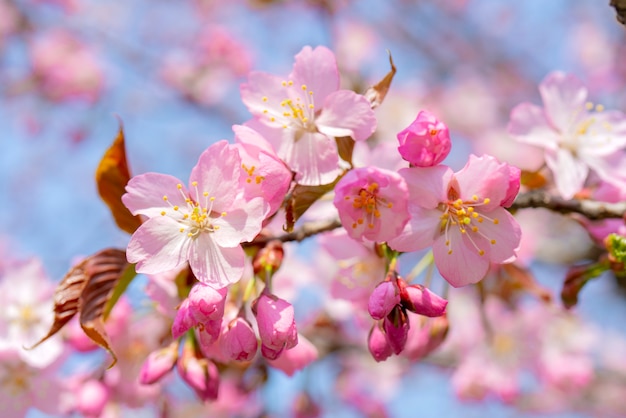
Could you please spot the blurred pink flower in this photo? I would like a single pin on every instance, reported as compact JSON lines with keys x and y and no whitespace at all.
{"x":158,"y":363}
{"x":426,"y":141}
{"x":308,"y":110}
{"x":575,"y":138}
{"x":65,"y":67}
{"x":462,"y":216}
{"x":296,"y":358}
{"x":372,"y":203}
{"x":203,"y":225}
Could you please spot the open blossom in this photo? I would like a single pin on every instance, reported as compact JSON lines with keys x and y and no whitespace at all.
{"x":308,"y":111}
{"x":203,"y":224}
{"x":576,"y":136}
{"x":462,"y":216}
{"x":426,"y":141}
{"x":372,"y":203}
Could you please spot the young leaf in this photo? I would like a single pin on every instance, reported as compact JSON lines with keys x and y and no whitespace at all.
{"x":376,"y":94}
{"x":111,"y":177}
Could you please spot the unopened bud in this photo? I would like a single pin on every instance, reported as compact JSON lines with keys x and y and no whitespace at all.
{"x":277,"y":326}
{"x":206,"y":303}
{"x":422,"y":301}
{"x":199,"y":374}
{"x":269,"y":258}
{"x":378,"y":345}
{"x":238,"y":340}
{"x":383,"y":299}
{"x":158,"y":364}
{"x":396,"y":326}
{"x":425,"y":142}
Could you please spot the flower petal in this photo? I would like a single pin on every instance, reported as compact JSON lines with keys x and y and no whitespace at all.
{"x":317,"y":69}
{"x":484,"y":177}
{"x":346,"y":113}
{"x":464,"y":265}
{"x":564,"y":97}
{"x":215,"y":265}
{"x":506,"y":234}
{"x":528,"y":124}
{"x":569,"y":172}
{"x":217,"y":174}
{"x":428,"y":186}
{"x":158,"y":245}
{"x":419,"y":232}
{"x":263,"y":95}
{"x":144,"y":194}
{"x":240,"y":225}
{"x":313,"y":157}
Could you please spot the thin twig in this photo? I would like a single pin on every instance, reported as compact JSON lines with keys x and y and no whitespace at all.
{"x":590,"y":209}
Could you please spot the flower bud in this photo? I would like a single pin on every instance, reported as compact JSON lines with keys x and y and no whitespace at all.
{"x":383,"y":299}
{"x":209,"y":332}
{"x":158,"y":364}
{"x":269,"y":257}
{"x":378,"y":345}
{"x":425,"y":336}
{"x":422,"y":301}
{"x":92,"y":398}
{"x":206,"y":303}
{"x":425,"y":142}
{"x":396,"y":326}
{"x":183,"y":320}
{"x":277,"y":326}
{"x":199,"y":374}
{"x":238,"y":341}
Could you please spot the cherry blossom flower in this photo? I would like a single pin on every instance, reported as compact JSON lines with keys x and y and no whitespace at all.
{"x":307,"y":111}
{"x":264,"y":174}
{"x":372,"y":203}
{"x":277,"y":326}
{"x":577,"y":137}
{"x":462,"y":216}
{"x":203,"y":225}
{"x":426,"y":141}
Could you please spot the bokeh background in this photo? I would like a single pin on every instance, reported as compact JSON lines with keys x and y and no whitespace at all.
{"x":170,"y":70}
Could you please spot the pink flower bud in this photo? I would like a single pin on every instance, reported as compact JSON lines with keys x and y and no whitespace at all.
{"x":422,"y":301}
{"x":383,"y":299}
{"x":277,"y":325}
{"x":378,"y":345}
{"x":396,"y":326}
{"x":199,"y":374}
{"x":209,"y":332}
{"x":296,"y":358}
{"x":238,"y":341}
{"x":183,"y":320}
{"x":206,"y":303}
{"x":425,"y":142}
{"x":158,"y":364}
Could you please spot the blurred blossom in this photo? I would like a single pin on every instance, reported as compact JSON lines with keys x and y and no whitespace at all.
{"x":66,"y":68}
{"x":9,"y":20}
{"x":296,"y":358}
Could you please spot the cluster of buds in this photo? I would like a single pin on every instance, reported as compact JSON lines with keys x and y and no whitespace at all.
{"x":389,"y":305}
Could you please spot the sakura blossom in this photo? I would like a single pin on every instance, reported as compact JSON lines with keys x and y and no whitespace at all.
{"x":203,"y":224}
{"x":426,"y":141}
{"x":462,"y":216}
{"x":372,"y":203}
{"x":578,"y":137}
{"x":307,"y":111}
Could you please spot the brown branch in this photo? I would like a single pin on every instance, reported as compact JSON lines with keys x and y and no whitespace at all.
{"x":591,"y":209}
{"x":305,"y":231}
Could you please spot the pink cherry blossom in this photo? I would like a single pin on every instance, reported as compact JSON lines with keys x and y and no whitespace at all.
{"x":461,"y":215}
{"x":199,"y":374}
{"x":426,"y":141}
{"x":576,"y":136}
{"x":203,"y":225}
{"x":264,"y":174}
{"x":308,"y":111}
{"x":158,"y":364}
{"x":203,"y":308}
{"x":277,"y":326}
{"x":372,"y":203}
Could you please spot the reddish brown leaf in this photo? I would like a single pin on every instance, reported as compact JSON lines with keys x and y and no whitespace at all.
{"x":376,"y":94}
{"x":301,"y":199}
{"x":67,"y":299}
{"x":103,"y":270}
{"x":87,"y":289}
{"x":345,"y":147}
{"x":620,"y":10}
{"x":112,"y":176}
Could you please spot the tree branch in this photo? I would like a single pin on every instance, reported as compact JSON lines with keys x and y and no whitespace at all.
{"x":305,"y":231}
{"x":591,"y":209}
